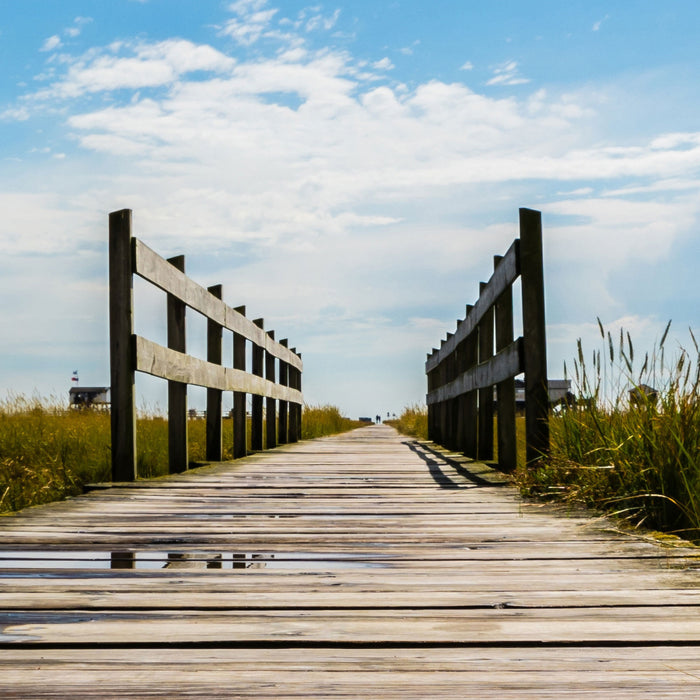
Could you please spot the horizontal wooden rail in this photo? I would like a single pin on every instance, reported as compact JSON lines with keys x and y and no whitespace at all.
{"x":157,"y":270}
{"x":162,"y":362}
{"x":505,"y":364}
{"x":504,"y":275}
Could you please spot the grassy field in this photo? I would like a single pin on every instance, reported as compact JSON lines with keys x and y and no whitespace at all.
{"x":48,"y":452}
{"x":635,"y":455}
{"x":637,"y":459}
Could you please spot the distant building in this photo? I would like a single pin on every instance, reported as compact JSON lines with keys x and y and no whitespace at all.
{"x":89,"y":397}
{"x":559,"y":393}
{"x":642,"y":395}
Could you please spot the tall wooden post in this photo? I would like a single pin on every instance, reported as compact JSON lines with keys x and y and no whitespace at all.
{"x":177,"y":391}
{"x":471,"y":414}
{"x":505,"y":390}
{"x":122,"y":360}
{"x":534,"y":338}
{"x":485,"y":447}
{"x":214,"y":451}
{"x":270,"y":403}
{"x":450,"y":404}
{"x":294,"y":408}
{"x":256,"y":437}
{"x":282,"y":421}
{"x":298,"y":406}
{"x":459,"y":402}
{"x":432,"y":413}
{"x":239,"y":397}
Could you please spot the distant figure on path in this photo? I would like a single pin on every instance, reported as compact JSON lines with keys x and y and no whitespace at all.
{"x":379,"y":418}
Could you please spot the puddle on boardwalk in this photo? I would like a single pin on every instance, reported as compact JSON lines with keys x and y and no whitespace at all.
{"x":92,"y":560}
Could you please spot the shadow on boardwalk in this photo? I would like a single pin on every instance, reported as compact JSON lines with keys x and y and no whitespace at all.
{"x":475,"y":475}
{"x":384,"y":577}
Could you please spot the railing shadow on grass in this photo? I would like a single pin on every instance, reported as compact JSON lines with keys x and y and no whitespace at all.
{"x":443,"y":480}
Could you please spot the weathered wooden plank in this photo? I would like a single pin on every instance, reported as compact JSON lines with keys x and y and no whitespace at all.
{"x":214,"y":439}
{"x":505,"y":390}
{"x":350,"y":541}
{"x":240,"y":437}
{"x":178,"y":460}
{"x":502,"y":277}
{"x":176,"y":366}
{"x":256,"y":408}
{"x":121,"y":329}
{"x":504,"y":364}
{"x":155,"y":269}
{"x":534,"y":337}
{"x":270,"y":403}
{"x":453,"y":626}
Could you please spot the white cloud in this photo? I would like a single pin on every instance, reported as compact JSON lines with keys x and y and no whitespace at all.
{"x":52,"y":43}
{"x":77,"y":27}
{"x":597,"y":25}
{"x":16,"y":114}
{"x":408,"y":50}
{"x":147,"y":65}
{"x":383,"y":64}
{"x":468,"y":65}
{"x":351,"y":193}
{"x":318,"y":21}
{"x":507,"y":74}
{"x":251,"y":21}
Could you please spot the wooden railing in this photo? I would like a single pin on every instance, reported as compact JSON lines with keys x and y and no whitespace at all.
{"x":463,"y":372}
{"x":130,"y":353}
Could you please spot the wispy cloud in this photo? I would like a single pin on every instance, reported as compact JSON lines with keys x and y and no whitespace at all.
{"x":507,"y":74}
{"x":250,"y":23}
{"x":383,"y":64}
{"x":597,"y":25}
{"x":468,"y":65}
{"x":140,"y":65}
{"x":294,"y":159}
{"x":51,"y":44}
{"x":77,"y":27}
{"x":408,"y":50}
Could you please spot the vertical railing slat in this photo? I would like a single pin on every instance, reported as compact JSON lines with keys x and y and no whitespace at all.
{"x":471,"y":415}
{"x":505,"y":390}
{"x":270,"y":403}
{"x":256,"y":434}
{"x":282,"y":421}
{"x":534,"y":336}
{"x":485,"y":446}
{"x":214,"y":451}
{"x":122,"y":361}
{"x":178,"y":460}
{"x":240,"y":433}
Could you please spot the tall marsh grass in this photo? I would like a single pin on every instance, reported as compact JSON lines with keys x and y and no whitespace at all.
{"x":623,"y":448}
{"x":49,"y":452}
{"x":413,"y":421}
{"x":325,"y":420}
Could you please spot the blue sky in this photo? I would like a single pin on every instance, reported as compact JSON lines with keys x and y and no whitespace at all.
{"x":347,"y":171}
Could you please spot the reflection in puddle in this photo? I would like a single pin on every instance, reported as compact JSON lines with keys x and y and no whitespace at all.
{"x":180,"y":560}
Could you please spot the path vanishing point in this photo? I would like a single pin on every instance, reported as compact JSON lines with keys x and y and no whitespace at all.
{"x":363,"y":565}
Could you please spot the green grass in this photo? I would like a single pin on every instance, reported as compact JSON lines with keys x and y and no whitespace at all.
{"x":413,"y":421}
{"x":48,"y":452}
{"x":639,"y":461}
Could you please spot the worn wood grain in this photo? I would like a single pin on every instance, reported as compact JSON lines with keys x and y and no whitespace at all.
{"x":363,"y":565}
{"x":176,"y":366}
{"x":151,"y":266}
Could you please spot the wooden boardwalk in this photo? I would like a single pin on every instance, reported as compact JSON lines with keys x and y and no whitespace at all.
{"x":361,"y":566}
